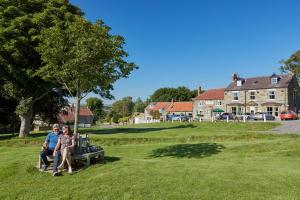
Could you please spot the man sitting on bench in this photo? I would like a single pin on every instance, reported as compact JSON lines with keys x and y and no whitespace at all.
{"x":48,"y":149}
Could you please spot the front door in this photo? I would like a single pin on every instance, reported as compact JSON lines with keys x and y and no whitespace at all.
{"x":252,"y":110}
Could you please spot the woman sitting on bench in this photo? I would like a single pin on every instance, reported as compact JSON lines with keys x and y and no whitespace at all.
{"x":66,"y":143}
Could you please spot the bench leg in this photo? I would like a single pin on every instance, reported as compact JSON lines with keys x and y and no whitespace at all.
{"x":40,"y":162}
{"x":88,"y":161}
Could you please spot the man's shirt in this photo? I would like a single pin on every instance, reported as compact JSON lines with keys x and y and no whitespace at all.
{"x":52,"y":139}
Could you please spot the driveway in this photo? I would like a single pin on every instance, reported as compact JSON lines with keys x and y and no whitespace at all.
{"x":292,"y":126}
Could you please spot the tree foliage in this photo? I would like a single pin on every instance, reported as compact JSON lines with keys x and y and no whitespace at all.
{"x":96,"y":106}
{"x":139,"y":105}
{"x":83,"y":57}
{"x":292,"y":64}
{"x":168,"y":94}
{"x":21,"y":23}
{"x":123,"y":107}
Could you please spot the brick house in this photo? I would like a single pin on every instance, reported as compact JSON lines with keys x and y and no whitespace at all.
{"x":67,"y":116}
{"x":272,"y":94}
{"x":204,"y":103}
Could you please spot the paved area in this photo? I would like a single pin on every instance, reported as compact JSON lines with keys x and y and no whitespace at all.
{"x":291,"y":126}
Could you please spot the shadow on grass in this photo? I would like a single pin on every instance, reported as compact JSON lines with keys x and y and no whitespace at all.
{"x":134,"y":130}
{"x":111,"y":159}
{"x":188,"y":150}
{"x":104,"y":131}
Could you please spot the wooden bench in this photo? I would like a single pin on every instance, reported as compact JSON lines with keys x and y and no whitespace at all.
{"x":83,"y":153}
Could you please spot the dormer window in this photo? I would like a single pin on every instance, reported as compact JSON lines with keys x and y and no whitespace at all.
{"x":274,"y":80}
{"x":239,"y":83}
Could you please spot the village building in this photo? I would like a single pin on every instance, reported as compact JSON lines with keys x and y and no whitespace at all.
{"x":168,"y":108}
{"x":67,"y":116}
{"x":205,"y":103}
{"x":272,"y":94}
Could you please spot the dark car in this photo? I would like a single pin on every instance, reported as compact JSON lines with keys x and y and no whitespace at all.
{"x":225,"y":115}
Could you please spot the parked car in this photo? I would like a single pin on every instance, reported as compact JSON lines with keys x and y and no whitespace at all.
{"x":246,"y":115}
{"x":178,"y":118}
{"x":260,"y":116}
{"x":288,"y":115}
{"x":224,"y":116}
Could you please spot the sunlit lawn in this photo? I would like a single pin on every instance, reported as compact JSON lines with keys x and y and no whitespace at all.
{"x":164,"y":161}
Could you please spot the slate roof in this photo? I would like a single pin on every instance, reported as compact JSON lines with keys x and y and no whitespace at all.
{"x":211,"y":94}
{"x":263,"y":82}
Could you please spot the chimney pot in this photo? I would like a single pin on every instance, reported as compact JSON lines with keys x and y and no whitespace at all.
{"x":199,"y":90}
{"x":234,"y":77}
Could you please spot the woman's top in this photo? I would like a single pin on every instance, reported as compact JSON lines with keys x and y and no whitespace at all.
{"x":66,"y":141}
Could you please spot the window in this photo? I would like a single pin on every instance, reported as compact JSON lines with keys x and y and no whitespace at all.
{"x":270,"y":110}
{"x":252,"y":95}
{"x":271,"y":94}
{"x":239,"y":83}
{"x":233,"y":110}
{"x":274,"y":80}
{"x":235,"y":95}
{"x":200,"y":103}
{"x":218,"y":103}
{"x":276,"y":111}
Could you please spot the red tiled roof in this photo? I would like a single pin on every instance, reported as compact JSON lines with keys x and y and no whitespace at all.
{"x":68,"y":114}
{"x":180,"y":107}
{"x":158,"y":106}
{"x":212,"y":94}
{"x":85,"y":112}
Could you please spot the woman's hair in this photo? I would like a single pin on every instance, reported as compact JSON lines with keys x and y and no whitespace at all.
{"x":69,"y":129}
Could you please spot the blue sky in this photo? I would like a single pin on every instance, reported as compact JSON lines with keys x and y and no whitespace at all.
{"x":198,"y":42}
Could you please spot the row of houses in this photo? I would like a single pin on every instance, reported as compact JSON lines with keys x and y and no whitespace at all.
{"x":272,"y":94}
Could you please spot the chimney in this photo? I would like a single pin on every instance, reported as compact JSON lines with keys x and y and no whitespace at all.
{"x":199,"y":90}
{"x":234,"y":77}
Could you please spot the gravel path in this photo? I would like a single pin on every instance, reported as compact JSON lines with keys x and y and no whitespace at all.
{"x":292,"y":126}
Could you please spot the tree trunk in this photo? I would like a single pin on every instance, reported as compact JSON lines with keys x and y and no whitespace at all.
{"x":77,"y":109}
{"x":25,"y":124}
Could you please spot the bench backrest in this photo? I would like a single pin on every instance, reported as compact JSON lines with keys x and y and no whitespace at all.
{"x":82,"y":143}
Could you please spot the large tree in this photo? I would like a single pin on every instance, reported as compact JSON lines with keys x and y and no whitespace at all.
{"x":139,"y":105}
{"x":96,"y":106}
{"x":123,"y":107}
{"x":168,"y":94}
{"x":292,"y":64}
{"x":21,"y":23}
{"x":83,"y":57}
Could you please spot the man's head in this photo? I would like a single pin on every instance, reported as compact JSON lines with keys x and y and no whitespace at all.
{"x":55,"y":128}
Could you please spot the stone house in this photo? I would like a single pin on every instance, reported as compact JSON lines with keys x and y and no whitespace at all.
{"x":155,"y":107}
{"x":180,"y":108}
{"x":272,"y":94}
{"x":206,"y":102}
{"x":165,"y":108}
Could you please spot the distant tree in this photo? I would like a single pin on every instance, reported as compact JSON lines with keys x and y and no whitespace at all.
{"x":139,"y":105}
{"x":21,"y":22}
{"x":83,"y":57}
{"x":96,"y":106}
{"x":292,"y":64}
{"x":155,"y":114}
{"x":177,"y":94}
{"x":123,"y":107}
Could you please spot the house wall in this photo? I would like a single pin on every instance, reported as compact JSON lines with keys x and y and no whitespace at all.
{"x":261,"y":103}
{"x":206,"y":107}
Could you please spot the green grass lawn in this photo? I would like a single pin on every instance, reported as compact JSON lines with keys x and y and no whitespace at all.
{"x":164,"y":161}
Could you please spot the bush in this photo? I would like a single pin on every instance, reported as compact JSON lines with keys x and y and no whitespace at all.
{"x":115,"y":118}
